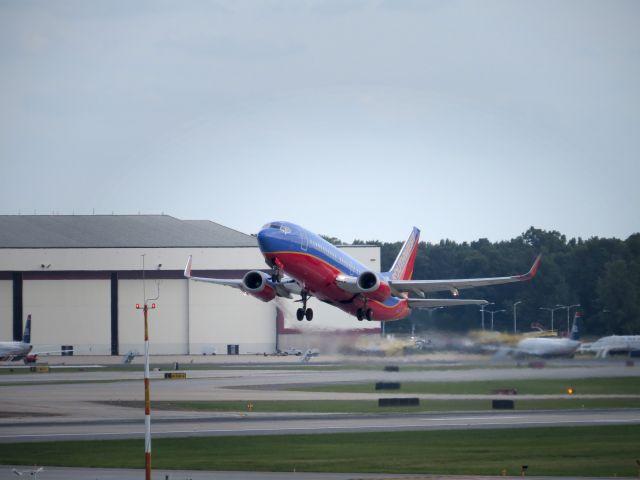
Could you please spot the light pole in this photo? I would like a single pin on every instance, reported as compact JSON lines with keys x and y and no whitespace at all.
{"x":482,"y":312}
{"x":493,"y":312}
{"x":515,"y":315}
{"x":552,"y":310}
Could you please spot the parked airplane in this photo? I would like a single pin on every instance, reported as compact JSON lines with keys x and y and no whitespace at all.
{"x":23,"y":350}
{"x":18,"y":350}
{"x":305,"y":264}
{"x":545,"y":346}
{"x":612,"y":344}
{"x":549,"y":347}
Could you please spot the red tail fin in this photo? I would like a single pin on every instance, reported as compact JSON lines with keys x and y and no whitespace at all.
{"x":402,"y":268}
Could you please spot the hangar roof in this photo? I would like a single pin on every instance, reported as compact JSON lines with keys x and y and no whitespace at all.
{"x":115,"y":231}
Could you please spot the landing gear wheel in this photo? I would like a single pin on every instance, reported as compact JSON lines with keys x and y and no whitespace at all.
{"x":300,"y":314}
{"x":360,"y":314}
{"x":369,"y":314}
{"x":309,"y":314}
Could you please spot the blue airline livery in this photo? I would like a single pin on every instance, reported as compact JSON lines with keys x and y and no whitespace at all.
{"x":304,"y":264}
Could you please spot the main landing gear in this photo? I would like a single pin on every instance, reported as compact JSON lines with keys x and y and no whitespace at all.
{"x":364,"y":312}
{"x":304,"y":312}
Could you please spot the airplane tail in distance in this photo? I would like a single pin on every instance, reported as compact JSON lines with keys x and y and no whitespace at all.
{"x":575,"y":332}
{"x":26,"y":336}
{"x":402,"y":268}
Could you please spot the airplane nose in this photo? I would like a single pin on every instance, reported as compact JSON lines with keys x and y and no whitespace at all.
{"x":263,"y":240}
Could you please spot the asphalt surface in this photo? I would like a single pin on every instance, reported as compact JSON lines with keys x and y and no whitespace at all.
{"x":305,"y":424}
{"x":62,"y":405}
{"x":63,"y":473}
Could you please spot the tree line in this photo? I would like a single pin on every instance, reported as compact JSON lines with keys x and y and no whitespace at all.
{"x":600,"y":274}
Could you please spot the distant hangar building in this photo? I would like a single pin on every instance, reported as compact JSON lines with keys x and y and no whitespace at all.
{"x":80,"y":277}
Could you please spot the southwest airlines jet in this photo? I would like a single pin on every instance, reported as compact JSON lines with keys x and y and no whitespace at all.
{"x":305,"y":264}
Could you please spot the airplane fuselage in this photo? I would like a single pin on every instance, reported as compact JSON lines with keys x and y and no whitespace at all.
{"x":613,"y":344}
{"x":316,"y":264}
{"x":548,"y":347}
{"x":14,"y":350}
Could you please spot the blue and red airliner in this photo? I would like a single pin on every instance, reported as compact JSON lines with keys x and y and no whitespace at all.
{"x":302,"y":263}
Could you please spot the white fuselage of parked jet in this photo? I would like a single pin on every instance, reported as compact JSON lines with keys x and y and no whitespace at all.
{"x":14,"y":350}
{"x":548,"y":347}
{"x":613,"y":344}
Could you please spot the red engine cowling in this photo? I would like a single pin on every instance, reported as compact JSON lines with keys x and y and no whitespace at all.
{"x":373,"y":287}
{"x":257,"y":283}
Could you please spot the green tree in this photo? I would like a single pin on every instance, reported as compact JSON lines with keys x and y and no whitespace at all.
{"x":618,"y":292}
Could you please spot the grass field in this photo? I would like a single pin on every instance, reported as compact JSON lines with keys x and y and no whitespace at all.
{"x":608,"y":386}
{"x":580,"y":451}
{"x":371,"y":406}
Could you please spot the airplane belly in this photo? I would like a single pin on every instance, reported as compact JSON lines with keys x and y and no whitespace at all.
{"x":314,"y":275}
{"x":318,"y":277}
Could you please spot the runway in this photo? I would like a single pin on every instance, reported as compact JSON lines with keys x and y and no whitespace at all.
{"x":286,"y":424}
{"x":63,"y":473}
{"x":67,"y":473}
{"x":63,"y":405}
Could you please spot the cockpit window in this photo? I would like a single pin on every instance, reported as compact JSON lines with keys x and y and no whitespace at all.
{"x":283,"y":228}
{"x":272,"y":225}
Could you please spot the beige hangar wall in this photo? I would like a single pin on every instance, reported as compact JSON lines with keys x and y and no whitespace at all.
{"x":69,"y":312}
{"x":191,"y":318}
{"x":167,"y":323}
{"x":221,"y":316}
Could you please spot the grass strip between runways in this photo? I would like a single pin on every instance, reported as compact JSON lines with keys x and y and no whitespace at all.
{"x":535,"y":386}
{"x":563,"y":451}
{"x":371,"y":406}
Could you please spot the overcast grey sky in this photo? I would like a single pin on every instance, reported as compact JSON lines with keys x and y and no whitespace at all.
{"x":356,"y":119}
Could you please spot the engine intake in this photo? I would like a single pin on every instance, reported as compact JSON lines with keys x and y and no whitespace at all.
{"x":368,"y":283}
{"x":257,"y":284}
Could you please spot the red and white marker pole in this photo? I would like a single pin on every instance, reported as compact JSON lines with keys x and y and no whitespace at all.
{"x":147,"y":393}
{"x":147,"y":399}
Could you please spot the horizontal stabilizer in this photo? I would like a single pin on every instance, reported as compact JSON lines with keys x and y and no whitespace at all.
{"x":443,"y":302}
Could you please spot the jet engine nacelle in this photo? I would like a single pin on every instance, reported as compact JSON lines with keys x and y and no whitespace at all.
{"x":368,"y":283}
{"x":258,"y":284}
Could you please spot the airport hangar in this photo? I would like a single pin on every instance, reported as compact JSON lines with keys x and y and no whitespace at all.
{"x":80,"y":277}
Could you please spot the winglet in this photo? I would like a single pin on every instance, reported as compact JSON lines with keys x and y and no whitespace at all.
{"x":187,"y":268}
{"x":534,"y":269}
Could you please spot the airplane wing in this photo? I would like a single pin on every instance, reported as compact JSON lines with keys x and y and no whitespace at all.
{"x":229,"y":282}
{"x":283,"y":288}
{"x":421,"y":287}
{"x":443,"y":302}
